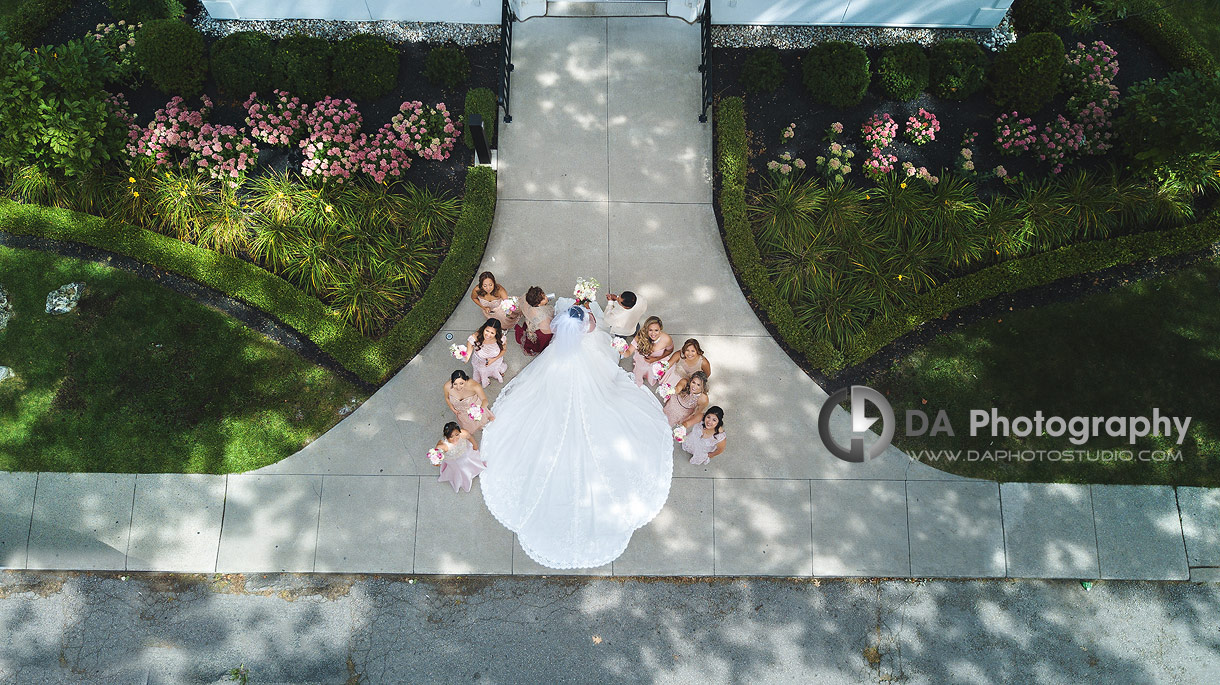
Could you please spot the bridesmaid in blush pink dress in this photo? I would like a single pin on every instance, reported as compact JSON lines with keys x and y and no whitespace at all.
{"x":706,"y":440}
{"x":685,"y":362}
{"x":488,"y":294}
{"x":462,"y":462}
{"x":650,"y":345}
{"x":689,"y":401}
{"x":487,"y":353}
{"x":461,"y":395}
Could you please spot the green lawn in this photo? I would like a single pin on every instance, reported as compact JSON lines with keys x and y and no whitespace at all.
{"x":1202,"y":19}
{"x":1149,"y":344}
{"x":141,"y":379}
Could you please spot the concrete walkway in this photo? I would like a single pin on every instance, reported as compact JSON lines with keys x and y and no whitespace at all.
{"x":605,"y":172}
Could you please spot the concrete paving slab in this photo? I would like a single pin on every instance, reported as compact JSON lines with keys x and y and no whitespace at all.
{"x":691,"y":287}
{"x":524,"y":566}
{"x":81,"y":521}
{"x":1209,"y":574}
{"x":1139,"y":533}
{"x":657,"y":149}
{"x":1200,"y":509}
{"x":1049,"y":530}
{"x":270,"y":523}
{"x":367,"y":523}
{"x":860,"y":528}
{"x":175,"y":522}
{"x":16,"y":508}
{"x":555,"y":147}
{"x":457,"y":534}
{"x":679,"y":541}
{"x":956,"y":529}
{"x":762,"y":527}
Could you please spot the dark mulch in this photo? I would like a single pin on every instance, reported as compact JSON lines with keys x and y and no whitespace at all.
{"x":768,"y":113}
{"x":448,"y":176}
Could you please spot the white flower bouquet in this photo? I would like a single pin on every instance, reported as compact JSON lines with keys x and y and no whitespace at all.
{"x":459,"y":352}
{"x":586,"y":290}
{"x":665,"y":391}
{"x":659,"y":369}
{"x":435,"y":456}
{"x":680,"y":433}
{"x":620,"y":345}
{"x":475,"y":412}
{"x":509,"y":306}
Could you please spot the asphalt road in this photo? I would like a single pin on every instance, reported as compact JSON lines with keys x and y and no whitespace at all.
{"x":156,"y":628}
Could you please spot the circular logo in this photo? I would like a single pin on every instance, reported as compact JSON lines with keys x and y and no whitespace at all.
{"x":860,"y":422}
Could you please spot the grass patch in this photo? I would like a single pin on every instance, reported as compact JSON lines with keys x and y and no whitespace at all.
{"x":1202,"y":20}
{"x":140,"y":379}
{"x":1153,"y":343}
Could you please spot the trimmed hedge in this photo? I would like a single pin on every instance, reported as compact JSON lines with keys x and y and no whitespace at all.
{"x":903,"y":71}
{"x":957,"y":68}
{"x":1027,"y":74}
{"x":836,"y":73}
{"x":1169,"y":37}
{"x":173,"y":56}
{"x":302,"y":66}
{"x":366,"y":66}
{"x":372,"y":360}
{"x":31,"y":18}
{"x":481,"y":101}
{"x":732,"y":161}
{"x":241,"y":63}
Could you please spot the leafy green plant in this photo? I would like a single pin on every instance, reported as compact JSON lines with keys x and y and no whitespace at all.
{"x":136,"y":11}
{"x":481,"y":101}
{"x":31,"y":18}
{"x":903,"y":71}
{"x":172,"y":55}
{"x":1170,"y":120}
{"x":302,"y":66}
{"x":365,"y":66}
{"x":241,"y":63}
{"x":836,"y":73}
{"x":957,"y":68}
{"x":762,"y":71}
{"x":1027,"y":75}
{"x":1031,"y":16}
{"x":447,"y":67}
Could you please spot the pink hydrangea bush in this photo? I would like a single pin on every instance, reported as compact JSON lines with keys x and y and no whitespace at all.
{"x":333,"y":140}
{"x":922,"y":127}
{"x":1014,"y":134}
{"x":879,"y":131}
{"x":167,"y":138}
{"x":430,"y":132}
{"x":909,"y":170}
{"x":879,"y":163}
{"x":279,"y":123}
{"x":223,"y":152}
{"x":384,"y":154}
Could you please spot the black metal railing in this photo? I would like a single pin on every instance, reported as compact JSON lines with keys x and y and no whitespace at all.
{"x":507,"y":17}
{"x":705,"y":58}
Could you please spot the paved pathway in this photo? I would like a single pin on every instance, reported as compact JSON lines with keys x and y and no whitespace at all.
{"x":605,"y":172}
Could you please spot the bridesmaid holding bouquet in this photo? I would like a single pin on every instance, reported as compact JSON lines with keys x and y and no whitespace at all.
{"x":490,"y":297}
{"x":461,"y":395}
{"x":706,"y":439}
{"x":651,"y":345}
{"x":487,"y":353}
{"x":461,"y":463}
{"x":685,"y":362}
{"x":534,"y":331}
{"x":688,"y":403}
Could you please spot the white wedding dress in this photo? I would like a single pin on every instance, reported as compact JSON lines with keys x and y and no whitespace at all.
{"x":579,"y":456}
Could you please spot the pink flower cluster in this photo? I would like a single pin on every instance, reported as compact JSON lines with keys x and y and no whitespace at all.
{"x":879,"y":131}
{"x":429,"y":131}
{"x":879,"y":163}
{"x":909,"y":170}
{"x":224,"y":152}
{"x":167,"y":138}
{"x":923,"y":127}
{"x":1091,"y":66}
{"x":117,"y":104}
{"x":384,"y":154}
{"x":1013,"y":134}
{"x":333,"y":139}
{"x":280,"y":123}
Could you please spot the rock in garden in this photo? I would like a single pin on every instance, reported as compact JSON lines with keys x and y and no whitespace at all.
{"x":64,"y":300}
{"x":6,"y":309}
{"x":5,"y":373}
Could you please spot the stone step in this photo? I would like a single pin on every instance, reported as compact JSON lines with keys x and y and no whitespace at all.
{"x":606,"y":8}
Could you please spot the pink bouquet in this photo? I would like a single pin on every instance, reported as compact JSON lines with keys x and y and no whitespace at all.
{"x":620,"y":345}
{"x":459,"y":352}
{"x":665,"y":390}
{"x":680,"y":433}
{"x":475,"y":412}
{"x":435,"y":456}
{"x":659,"y":369}
{"x":509,"y":306}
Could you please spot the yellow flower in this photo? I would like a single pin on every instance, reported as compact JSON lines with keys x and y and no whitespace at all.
{"x":328,"y":209}
{"x":279,"y":195}
{"x":900,"y":277}
{"x":867,"y":197}
{"x":902,"y":185}
{"x":131,"y":179}
{"x":135,"y":194}
{"x":182,"y":193}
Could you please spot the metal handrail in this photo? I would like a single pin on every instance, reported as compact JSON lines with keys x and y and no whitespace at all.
{"x":705,"y":63}
{"x":507,"y":17}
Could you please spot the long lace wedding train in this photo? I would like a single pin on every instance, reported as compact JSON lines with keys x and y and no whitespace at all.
{"x":578,"y":457}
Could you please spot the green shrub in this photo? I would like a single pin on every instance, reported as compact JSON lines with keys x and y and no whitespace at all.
{"x":1028,"y":74}
{"x":903,"y":71}
{"x":481,"y":101}
{"x":447,"y":67}
{"x":241,"y":63}
{"x":366,"y":66}
{"x":1168,"y":36}
{"x":762,"y":71}
{"x":172,"y":56}
{"x":137,"y":11}
{"x":1172,"y":119}
{"x":1031,"y":16}
{"x":302,"y":66}
{"x":957,"y":69}
{"x":30,"y":18}
{"x":836,"y":73}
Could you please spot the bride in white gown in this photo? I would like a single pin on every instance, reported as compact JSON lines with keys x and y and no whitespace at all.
{"x":579,"y":456}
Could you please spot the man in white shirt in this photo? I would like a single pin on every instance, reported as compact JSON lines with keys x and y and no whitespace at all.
{"x":624,"y":313}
